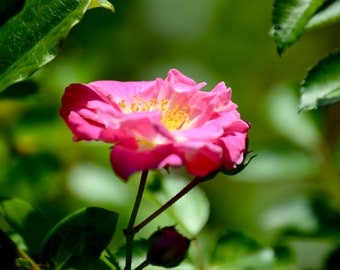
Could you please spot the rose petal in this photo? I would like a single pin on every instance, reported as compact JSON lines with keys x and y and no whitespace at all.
{"x":200,"y":159}
{"x":126,"y":162}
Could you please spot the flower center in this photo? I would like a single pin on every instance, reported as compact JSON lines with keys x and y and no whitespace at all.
{"x":173,"y":117}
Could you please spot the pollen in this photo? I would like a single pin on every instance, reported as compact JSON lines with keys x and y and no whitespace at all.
{"x":173,"y":116}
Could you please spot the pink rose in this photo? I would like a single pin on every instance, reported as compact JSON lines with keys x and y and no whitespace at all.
{"x":160,"y":123}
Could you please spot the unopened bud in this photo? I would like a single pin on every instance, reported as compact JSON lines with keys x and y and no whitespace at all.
{"x":168,"y":248}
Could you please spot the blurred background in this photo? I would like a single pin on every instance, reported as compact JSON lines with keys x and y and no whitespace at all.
{"x":289,"y":186}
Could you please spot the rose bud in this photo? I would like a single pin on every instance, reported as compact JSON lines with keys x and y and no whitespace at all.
{"x":168,"y":248}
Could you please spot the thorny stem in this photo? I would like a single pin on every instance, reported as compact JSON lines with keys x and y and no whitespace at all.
{"x":179,"y":195}
{"x":129,"y":232}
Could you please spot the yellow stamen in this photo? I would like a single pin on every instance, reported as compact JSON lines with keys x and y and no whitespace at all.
{"x":173,"y":118}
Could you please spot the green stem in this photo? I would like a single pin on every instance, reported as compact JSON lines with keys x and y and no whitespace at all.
{"x":142,"y":265}
{"x":129,"y":232}
{"x":174,"y":199}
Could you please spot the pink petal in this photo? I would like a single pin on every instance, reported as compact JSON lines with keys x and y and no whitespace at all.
{"x":116,"y":91}
{"x":181,"y":83}
{"x":172,"y":160}
{"x":89,"y":115}
{"x":126,"y":162}
{"x":200,"y":158}
{"x":146,"y":127}
{"x":234,"y":149}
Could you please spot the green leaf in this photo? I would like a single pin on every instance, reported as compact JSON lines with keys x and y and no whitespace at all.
{"x":294,"y":215}
{"x":79,"y":239}
{"x":281,"y":106}
{"x":26,"y":221}
{"x":235,"y":250}
{"x":321,"y":86}
{"x":101,"y":3}
{"x":34,"y":36}
{"x":191,"y":211}
{"x":328,"y":15}
{"x":234,"y":245}
{"x":290,"y":18}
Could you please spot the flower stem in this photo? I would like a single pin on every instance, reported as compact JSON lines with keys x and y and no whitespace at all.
{"x":174,"y":199}
{"x":142,"y":265}
{"x":129,"y":232}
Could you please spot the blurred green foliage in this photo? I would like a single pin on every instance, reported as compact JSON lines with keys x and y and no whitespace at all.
{"x":289,"y":195}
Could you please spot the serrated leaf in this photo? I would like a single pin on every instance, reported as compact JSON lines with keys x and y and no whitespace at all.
{"x":34,"y":36}
{"x":328,"y":15}
{"x":290,"y":18}
{"x":79,"y":239}
{"x":26,"y":221}
{"x":321,"y":87}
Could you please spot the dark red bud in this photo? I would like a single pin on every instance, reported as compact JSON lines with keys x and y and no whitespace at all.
{"x":168,"y":248}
